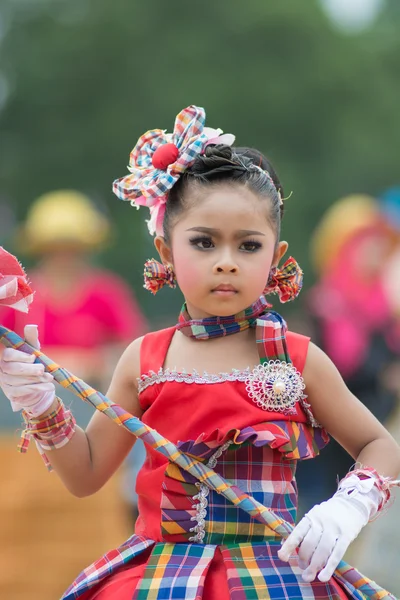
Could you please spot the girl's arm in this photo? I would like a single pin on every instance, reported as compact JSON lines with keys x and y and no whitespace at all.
{"x":91,"y":457}
{"x":325,"y":532}
{"x":346,"y":418}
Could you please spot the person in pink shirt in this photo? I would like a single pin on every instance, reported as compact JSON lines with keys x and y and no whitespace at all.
{"x":86,"y":315}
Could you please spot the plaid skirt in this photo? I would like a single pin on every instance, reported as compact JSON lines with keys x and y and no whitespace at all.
{"x":199,"y":527}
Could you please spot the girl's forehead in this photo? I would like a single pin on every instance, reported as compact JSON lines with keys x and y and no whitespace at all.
{"x":225,"y":207}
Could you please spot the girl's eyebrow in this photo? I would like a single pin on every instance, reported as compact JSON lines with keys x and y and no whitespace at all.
{"x":239,"y":234}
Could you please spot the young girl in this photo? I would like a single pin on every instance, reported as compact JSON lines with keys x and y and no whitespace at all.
{"x":229,"y":385}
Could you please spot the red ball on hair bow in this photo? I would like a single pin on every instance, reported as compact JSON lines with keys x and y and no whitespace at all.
{"x":156,"y":275}
{"x":165,"y":155}
{"x":286,"y":282}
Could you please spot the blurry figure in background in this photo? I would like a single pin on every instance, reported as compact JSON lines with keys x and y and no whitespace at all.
{"x":390,"y":202}
{"x":86,"y":315}
{"x":352,"y":318}
{"x":379,"y":551}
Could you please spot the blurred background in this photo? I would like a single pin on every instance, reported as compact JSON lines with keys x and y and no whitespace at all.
{"x":315,"y":85}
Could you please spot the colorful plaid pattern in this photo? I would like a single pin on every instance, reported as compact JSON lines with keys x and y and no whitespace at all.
{"x":286,"y":282}
{"x":212,"y":327}
{"x":271,"y":338}
{"x":49,"y":433}
{"x":358,"y":585}
{"x":270,"y":329}
{"x":107,"y":565}
{"x":148,"y":186}
{"x":156,"y":275}
{"x":255,"y":572}
{"x":144,"y":179}
{"x":259,"y":471}
{"x":175,"y":571}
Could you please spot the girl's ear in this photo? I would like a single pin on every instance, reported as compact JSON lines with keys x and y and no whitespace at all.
{"x":279,"y":253}
{"x":163,"y":250}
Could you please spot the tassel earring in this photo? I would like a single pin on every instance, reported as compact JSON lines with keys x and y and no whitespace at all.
{"x":156,"y":275}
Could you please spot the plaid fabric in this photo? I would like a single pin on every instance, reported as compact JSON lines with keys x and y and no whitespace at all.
{"x":156,"y":275}
{"x":271,"y":339}
{"x":269,"y":480}
{"x":149,"y":186}
{"x":255,"y":572}
{"x":175,"y":571}
{"x":151,"y":183}
{"x":259,"y":471}
{"x":286,"y":282}
{"x":107,"y":565}
{"x":358,"y":585}
{"x":211,"y":327}
{"x":52,"y":432}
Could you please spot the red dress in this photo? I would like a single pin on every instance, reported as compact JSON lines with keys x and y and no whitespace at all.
{"x":183,"y":408}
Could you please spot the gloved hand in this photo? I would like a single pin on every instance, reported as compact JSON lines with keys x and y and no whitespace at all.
{"x":26,"y":385}
{"x":326,"y":531}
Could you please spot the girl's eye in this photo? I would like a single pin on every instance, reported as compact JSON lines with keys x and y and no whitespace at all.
{"x":204,"y":243}
{"x":250,"y":246}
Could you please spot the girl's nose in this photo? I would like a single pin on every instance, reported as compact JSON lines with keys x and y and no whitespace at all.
{"x":226,"y":264}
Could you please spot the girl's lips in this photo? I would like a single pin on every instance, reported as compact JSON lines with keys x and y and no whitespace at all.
{"x":224,"y":290}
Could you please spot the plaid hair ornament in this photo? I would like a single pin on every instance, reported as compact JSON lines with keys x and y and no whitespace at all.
{"x":286,"y":282}
{"x":156,"y":275}
{"x":159,"y":159}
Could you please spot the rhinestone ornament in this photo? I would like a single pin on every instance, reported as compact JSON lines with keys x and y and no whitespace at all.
{"x":276,"y":385}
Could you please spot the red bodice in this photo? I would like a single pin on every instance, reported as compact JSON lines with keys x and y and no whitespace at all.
{"x":189,"y":411}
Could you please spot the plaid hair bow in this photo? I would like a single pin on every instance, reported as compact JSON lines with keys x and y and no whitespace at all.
{"x":159,"y":158}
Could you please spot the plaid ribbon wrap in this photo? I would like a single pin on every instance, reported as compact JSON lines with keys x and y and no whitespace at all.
{"x":212,"y":327}
{"x":49,"y":433}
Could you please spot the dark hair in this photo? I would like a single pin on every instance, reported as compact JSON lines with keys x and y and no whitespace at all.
{"x":223,"y":164}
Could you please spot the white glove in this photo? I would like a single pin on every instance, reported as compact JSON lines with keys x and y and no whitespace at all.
{"x":326,"y":531}
{"x":26,"y":385}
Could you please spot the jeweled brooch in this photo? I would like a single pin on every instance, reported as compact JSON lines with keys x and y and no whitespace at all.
{"x":276,"y":385}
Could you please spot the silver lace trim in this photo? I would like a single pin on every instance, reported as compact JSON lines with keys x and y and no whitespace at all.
{"x":245,"y":376}
{"x":164,"y":375}
{"x":201,"y":496}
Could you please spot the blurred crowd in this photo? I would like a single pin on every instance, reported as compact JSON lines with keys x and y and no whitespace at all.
{"x":87,"y":315}
{"x":353,"y":313}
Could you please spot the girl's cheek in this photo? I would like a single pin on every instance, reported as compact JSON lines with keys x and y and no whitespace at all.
{"x":187,"y":271}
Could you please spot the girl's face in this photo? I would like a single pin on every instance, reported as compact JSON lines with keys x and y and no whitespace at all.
{"x":222,"y":250}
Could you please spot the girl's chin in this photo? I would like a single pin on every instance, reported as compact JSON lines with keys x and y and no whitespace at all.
{"x":219,"y":307}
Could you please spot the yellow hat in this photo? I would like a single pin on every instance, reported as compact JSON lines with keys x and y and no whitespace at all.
{"x":341,"y":221}
{"x":62,"y":217}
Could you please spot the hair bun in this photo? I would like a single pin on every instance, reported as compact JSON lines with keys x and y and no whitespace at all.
{"x":218,"y":151}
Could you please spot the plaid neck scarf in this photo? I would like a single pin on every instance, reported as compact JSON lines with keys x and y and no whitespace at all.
{"x":270,"y":329}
